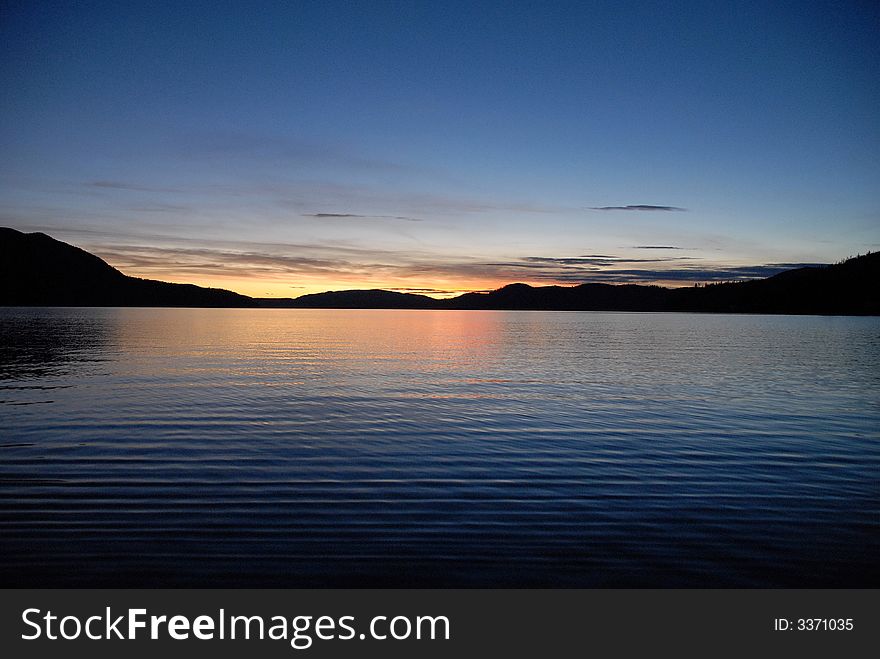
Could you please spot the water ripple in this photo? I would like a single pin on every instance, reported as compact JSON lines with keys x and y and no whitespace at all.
{"x":384,"y":448}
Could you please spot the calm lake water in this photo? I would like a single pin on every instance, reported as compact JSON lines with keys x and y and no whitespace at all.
{"x":437,"y":448}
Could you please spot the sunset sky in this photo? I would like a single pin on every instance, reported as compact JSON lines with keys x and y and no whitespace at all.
{"x":282,"y":148}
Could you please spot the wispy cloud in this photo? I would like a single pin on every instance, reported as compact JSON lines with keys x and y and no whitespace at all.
{"x":131,"y":187}
{"x":160,"y":208}
{"x":336,"y":216}
{"x":655,"y":247}
{"x":157,"y":261}
{"x":548,"y":270}
{"x":638,"y":207}
{"x":684,"y":274}
{"x":366,"y":268}
{"x":304,"y":194}
{"x":436,"y":291}
{"x":598,"y":260}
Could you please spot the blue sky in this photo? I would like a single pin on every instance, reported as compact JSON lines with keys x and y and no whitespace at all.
{"x":290,"y":147}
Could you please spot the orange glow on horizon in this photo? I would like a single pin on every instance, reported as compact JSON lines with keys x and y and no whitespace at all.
{"x":267,"y":271}
{"x":271,"y":287}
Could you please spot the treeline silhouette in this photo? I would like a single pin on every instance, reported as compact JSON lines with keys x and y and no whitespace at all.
{"x":38,"y":270}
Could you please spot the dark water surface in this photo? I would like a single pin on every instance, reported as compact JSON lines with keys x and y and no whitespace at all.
{"x":437,"y":448}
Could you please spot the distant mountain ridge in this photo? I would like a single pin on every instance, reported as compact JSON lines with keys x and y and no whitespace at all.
{"x":36,"y":270}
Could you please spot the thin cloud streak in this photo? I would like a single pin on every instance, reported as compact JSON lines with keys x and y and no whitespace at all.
{"x":370,"y":269}
{"x":305,"y":194}
{"x":436,"y":291}
{"x":130,"y":187}
{"x":160,"y":208}
{"x":335,"y":216}
{"x":674,"y":275}
{"x":601,"y":260}
{"x":640,"y":207}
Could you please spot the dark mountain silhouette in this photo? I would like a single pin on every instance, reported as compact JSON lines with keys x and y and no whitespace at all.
{"x":585,"y":297}
{"x":38,"y":270}
{"x":374,"y":298}
{"x":851,"y":288}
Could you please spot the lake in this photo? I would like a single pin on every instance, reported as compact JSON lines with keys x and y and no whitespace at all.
{"x":241,"y":447}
